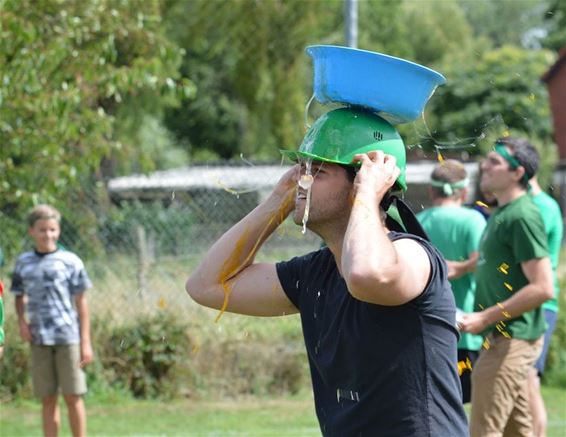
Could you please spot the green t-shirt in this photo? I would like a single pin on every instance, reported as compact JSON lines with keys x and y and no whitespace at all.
{"x":456,"y":232}
{"x":554,"y":228}
{"x":514,"y":234}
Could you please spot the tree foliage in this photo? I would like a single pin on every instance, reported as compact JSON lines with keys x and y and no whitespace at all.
{"x":555,"y":17}
{"x":247,"y":60}
{"x":499,"y":89}
{"x":435,"y":29}
{"x":494,"y":93}
{"x":68,"y":69}
{"x":504,"y":22}
{"x":85,"y":82}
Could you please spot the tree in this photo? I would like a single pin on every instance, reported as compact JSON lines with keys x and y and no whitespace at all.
{"x":434,"y":29}
{"x":247,"y":60}
{"x":504,"y":22}
{"x":68,"y":69}
{"x":495,"y":93}
{"x":555,"y":18}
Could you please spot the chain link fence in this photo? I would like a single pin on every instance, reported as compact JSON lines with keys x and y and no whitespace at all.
{"x":141,"y":236}
{"x":140,"y":243}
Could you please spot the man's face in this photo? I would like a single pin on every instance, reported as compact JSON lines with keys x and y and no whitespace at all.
{"x":45,"y":233}
{"x":330,"y":195}
{"x":497,"y":176}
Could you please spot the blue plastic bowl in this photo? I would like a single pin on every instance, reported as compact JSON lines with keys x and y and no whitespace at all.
{"x":395,"y":88}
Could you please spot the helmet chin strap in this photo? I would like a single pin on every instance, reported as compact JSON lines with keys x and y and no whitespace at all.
{"x":408,"y":218}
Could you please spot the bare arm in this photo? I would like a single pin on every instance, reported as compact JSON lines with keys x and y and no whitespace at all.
{"x":375,"y":269}
{"x":228,"y":279}
{"x":25,"y":333}
{"x":457,"y":269}
{"x":87,"y":354}
{"x":540,"y":288}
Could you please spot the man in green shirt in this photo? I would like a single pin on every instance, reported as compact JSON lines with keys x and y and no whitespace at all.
{"x":456,"y":231}
{"x":554,"y":228}
{"x":513,"y":279}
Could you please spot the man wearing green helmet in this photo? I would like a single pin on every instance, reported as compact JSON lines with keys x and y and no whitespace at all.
{"x":377,"y":311}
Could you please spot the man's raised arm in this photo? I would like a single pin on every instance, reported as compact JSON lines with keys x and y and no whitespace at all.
{"x":228,"y":279}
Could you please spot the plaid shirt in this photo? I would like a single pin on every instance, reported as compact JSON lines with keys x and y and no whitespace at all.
{"x":50,"y":282}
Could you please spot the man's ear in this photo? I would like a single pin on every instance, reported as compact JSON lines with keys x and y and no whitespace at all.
{"x":519,"y":172}
{"x":430,"y":193}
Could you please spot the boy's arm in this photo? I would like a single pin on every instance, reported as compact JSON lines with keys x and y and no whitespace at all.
{"x":25,"y":332}
{"x":87,"y":355}
{"x":228,"y":279}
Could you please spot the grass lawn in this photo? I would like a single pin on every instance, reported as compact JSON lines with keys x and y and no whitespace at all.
{"x":243,"y":417}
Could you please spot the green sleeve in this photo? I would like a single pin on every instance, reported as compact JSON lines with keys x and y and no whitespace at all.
{"x":555,"y":230}
{"x":528,"y":239}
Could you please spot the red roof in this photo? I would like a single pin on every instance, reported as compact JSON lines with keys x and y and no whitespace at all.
{"x":546,"y":77}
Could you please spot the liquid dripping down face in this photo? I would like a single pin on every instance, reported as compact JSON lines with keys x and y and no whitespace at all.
{"x":305,"y":182}
{"x":323,"y":194}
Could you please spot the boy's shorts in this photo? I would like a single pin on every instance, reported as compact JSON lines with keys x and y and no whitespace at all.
{"x":54,"y":367}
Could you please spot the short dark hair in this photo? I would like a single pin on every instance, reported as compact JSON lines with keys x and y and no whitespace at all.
{"x":525,"y":153}
{"x":351,"y":171}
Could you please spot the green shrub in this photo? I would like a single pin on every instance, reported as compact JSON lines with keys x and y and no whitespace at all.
{"x":14,"y":366}
{"x":555,"y":373}
{"x":142,"y":356}
{"x":255,"y":366}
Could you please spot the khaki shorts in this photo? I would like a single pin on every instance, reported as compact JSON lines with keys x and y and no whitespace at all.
{"x":54,"y":367}
{"x":500,"y":390}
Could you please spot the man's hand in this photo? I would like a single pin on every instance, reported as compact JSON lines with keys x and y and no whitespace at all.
{"x":474,"y":323}
{"x":377,"y":174}
{"x":288,"y":182}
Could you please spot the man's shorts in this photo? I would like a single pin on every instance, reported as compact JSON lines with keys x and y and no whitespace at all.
{"x":54,"y":367}
{"x":550,"y":317}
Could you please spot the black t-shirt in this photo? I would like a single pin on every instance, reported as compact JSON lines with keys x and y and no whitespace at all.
{"x":378,"y":370}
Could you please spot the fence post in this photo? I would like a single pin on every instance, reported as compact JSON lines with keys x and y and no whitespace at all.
{"x":143,"y":260}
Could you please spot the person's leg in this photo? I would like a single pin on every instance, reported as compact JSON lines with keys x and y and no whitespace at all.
{"x":51,"y":418}
{"x":537,"y":403}
{"x":466,"y":362}
{"x":44,"y":379}
{"x":492,"y":401}
{"x":73,"y":385}
{"x":500,"y":387}
{"x":520,"y":423}
{"x":538,"y":409}
{"x":77,"y":414}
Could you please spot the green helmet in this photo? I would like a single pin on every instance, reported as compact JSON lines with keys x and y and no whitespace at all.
{"x":342,"y":133}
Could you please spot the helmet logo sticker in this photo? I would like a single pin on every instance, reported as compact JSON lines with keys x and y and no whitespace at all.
{"x":377,"y":135}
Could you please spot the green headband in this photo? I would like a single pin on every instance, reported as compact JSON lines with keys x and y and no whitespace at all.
{"x":448,"y":188}
{"x":513,"y":162}
{"x":502,"y":150}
